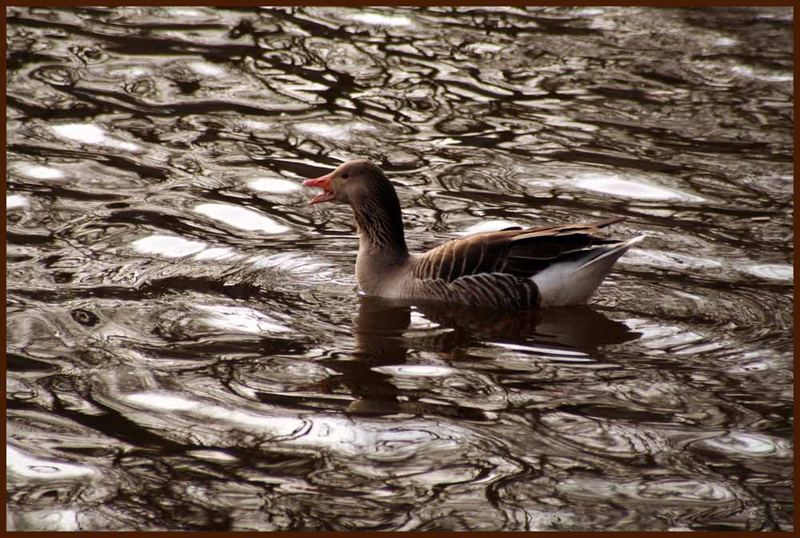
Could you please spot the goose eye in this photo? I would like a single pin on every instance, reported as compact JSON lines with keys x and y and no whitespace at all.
{"x":345,"y":175}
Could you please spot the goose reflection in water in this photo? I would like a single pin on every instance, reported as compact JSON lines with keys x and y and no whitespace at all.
{"x":384,"y":336}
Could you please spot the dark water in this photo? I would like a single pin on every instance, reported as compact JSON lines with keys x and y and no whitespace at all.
{"x":186,"y":349}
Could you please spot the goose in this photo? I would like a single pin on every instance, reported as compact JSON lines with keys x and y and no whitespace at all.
{"x":508,"y":269}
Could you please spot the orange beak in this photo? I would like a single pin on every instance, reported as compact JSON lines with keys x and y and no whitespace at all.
{"x":324,"y":183}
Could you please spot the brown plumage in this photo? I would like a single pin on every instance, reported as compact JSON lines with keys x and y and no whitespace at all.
{"x":513,"y":268}
{"x":522,"y":253}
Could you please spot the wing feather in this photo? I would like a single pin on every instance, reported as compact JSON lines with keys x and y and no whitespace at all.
{"x":522,"y":253}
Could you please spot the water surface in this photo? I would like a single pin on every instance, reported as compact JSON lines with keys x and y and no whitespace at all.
{"x":186,"y":349}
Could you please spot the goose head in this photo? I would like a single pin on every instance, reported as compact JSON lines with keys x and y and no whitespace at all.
{"x":376,"y":208}
{"x":351,"y":183}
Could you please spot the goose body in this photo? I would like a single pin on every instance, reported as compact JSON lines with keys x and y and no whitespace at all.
{"x":513,"y":268}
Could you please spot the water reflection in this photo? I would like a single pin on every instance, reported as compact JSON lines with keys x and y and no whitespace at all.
{"x":92,"y":134}
{"x":186,"y":348}
{"x":36,"y":171}
{"x":168,"y":246}
{"x":239,"y":217}
{"x":24,"y":465}
{"x":274,"y":185}
{"x":384,"y":345}
{"x":609,"y":184}
{"x":15,"y":201}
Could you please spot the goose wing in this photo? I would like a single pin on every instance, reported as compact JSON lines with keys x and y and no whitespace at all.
{"x":522,"y":253}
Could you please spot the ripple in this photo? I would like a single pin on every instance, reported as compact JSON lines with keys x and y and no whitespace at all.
{"x":217,"y":253}
{"x":241,"y":218}
{"x":335,"y":130}
{"x":663,"y":336}
{"x":769,"y":76}
{"x":38,"y":171}
{"x":568,"y":123}
{"x":186,"y":12}
{"x":600,"y":436}
{"x":169,"y":246}
{"x":45,"y":520}
{"x":417,"y":370}
{"x":213,"y":455}
{"x":366,"y":440}
{"x":159,"y":401}
{"x":89,"y":133}
{"x":377,"y":19}
{"x":241,"y":319}
{"x":744,"y":445}
{"x":674,"y":492}
{"x":281,"y":374}
{"x":381,"y":441}
{"x":274,"y":185}
{"x":207,"y":69}
{"x":616,"y":186}
{"x":26,"y":465}
{"x":771,"y":271}
{"x":556,"y":353}
{"x":16,"y":201}
{"x":668,"y":260}
{"x":297,"y":263}
{"x":725,"y":42}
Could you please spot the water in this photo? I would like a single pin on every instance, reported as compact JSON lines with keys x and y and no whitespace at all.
{"x":186,"y":349}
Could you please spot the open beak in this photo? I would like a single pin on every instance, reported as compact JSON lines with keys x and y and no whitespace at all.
{"x":324,"y":183}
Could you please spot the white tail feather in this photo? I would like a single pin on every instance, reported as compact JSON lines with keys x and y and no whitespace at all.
{"x":573,"y":282}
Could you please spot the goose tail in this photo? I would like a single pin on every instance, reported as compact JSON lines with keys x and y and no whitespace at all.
{"x":574,"y":281}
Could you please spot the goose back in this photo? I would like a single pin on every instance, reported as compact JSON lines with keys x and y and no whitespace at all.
{"x":498,"y":268}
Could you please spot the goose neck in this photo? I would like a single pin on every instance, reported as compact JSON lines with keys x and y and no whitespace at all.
{"x":380,"y":228}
